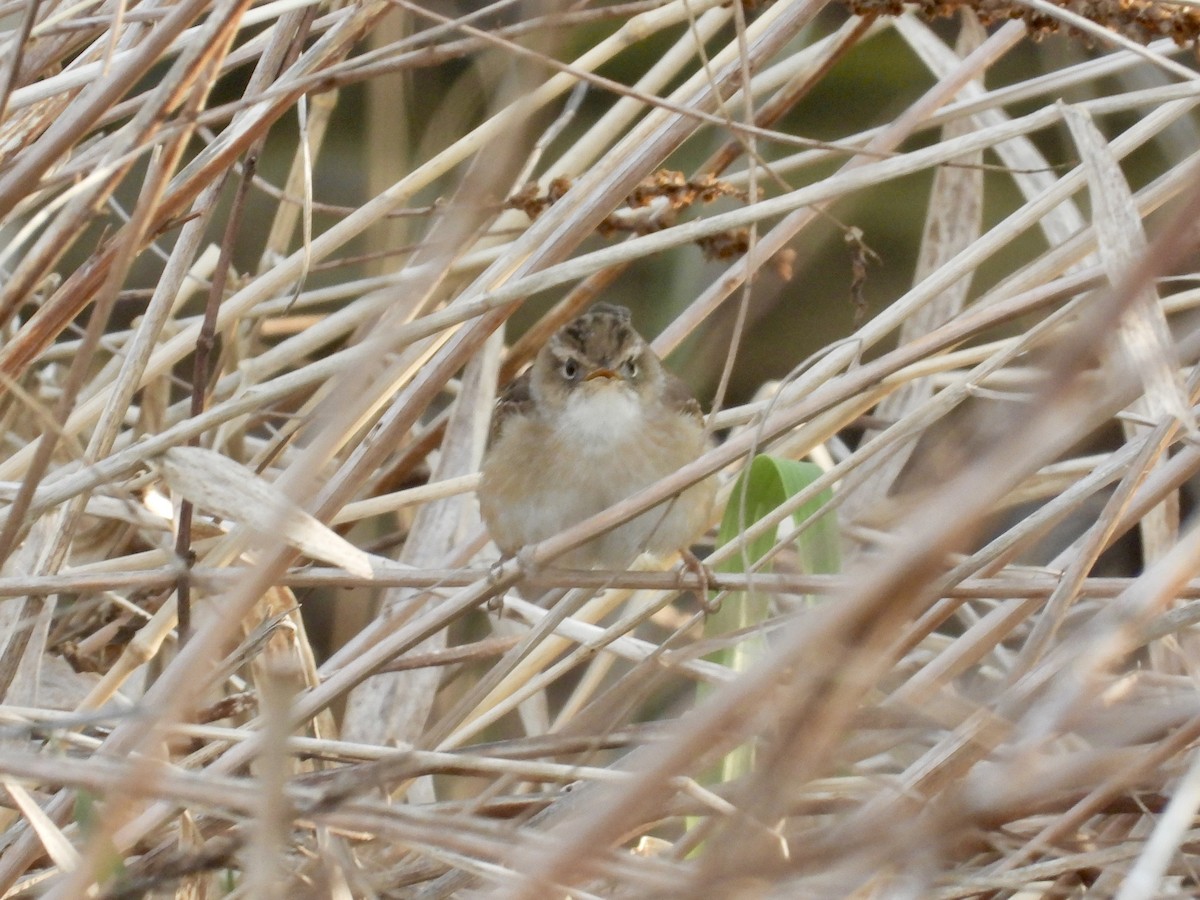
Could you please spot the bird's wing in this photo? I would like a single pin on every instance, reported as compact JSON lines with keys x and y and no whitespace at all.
{"x":678,"y":396}
{"x":514,"y":400}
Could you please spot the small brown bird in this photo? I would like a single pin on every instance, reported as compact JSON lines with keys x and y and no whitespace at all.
{"x":595,"y":419}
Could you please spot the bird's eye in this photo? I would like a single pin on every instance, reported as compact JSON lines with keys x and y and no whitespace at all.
{"x":570,"y":369}
{"x":629,"y":368}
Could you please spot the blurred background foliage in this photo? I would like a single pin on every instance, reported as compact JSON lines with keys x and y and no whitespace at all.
{"x":384,"y":125}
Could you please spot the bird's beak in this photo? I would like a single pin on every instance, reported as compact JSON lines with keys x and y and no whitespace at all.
{"x":600,"y":373}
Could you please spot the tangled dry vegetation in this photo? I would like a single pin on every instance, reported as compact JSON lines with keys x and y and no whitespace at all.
{"x":225,"y":396}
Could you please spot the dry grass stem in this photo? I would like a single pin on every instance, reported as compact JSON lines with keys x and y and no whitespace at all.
{"x":266,"y":266}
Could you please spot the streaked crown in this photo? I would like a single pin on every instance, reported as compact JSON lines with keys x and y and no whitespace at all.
{"x":602,"y":336}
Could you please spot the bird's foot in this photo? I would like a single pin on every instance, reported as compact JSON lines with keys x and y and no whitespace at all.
{"x":695,"y":565}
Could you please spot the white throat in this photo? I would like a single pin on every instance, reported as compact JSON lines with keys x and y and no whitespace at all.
{"x":603,"y":417}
